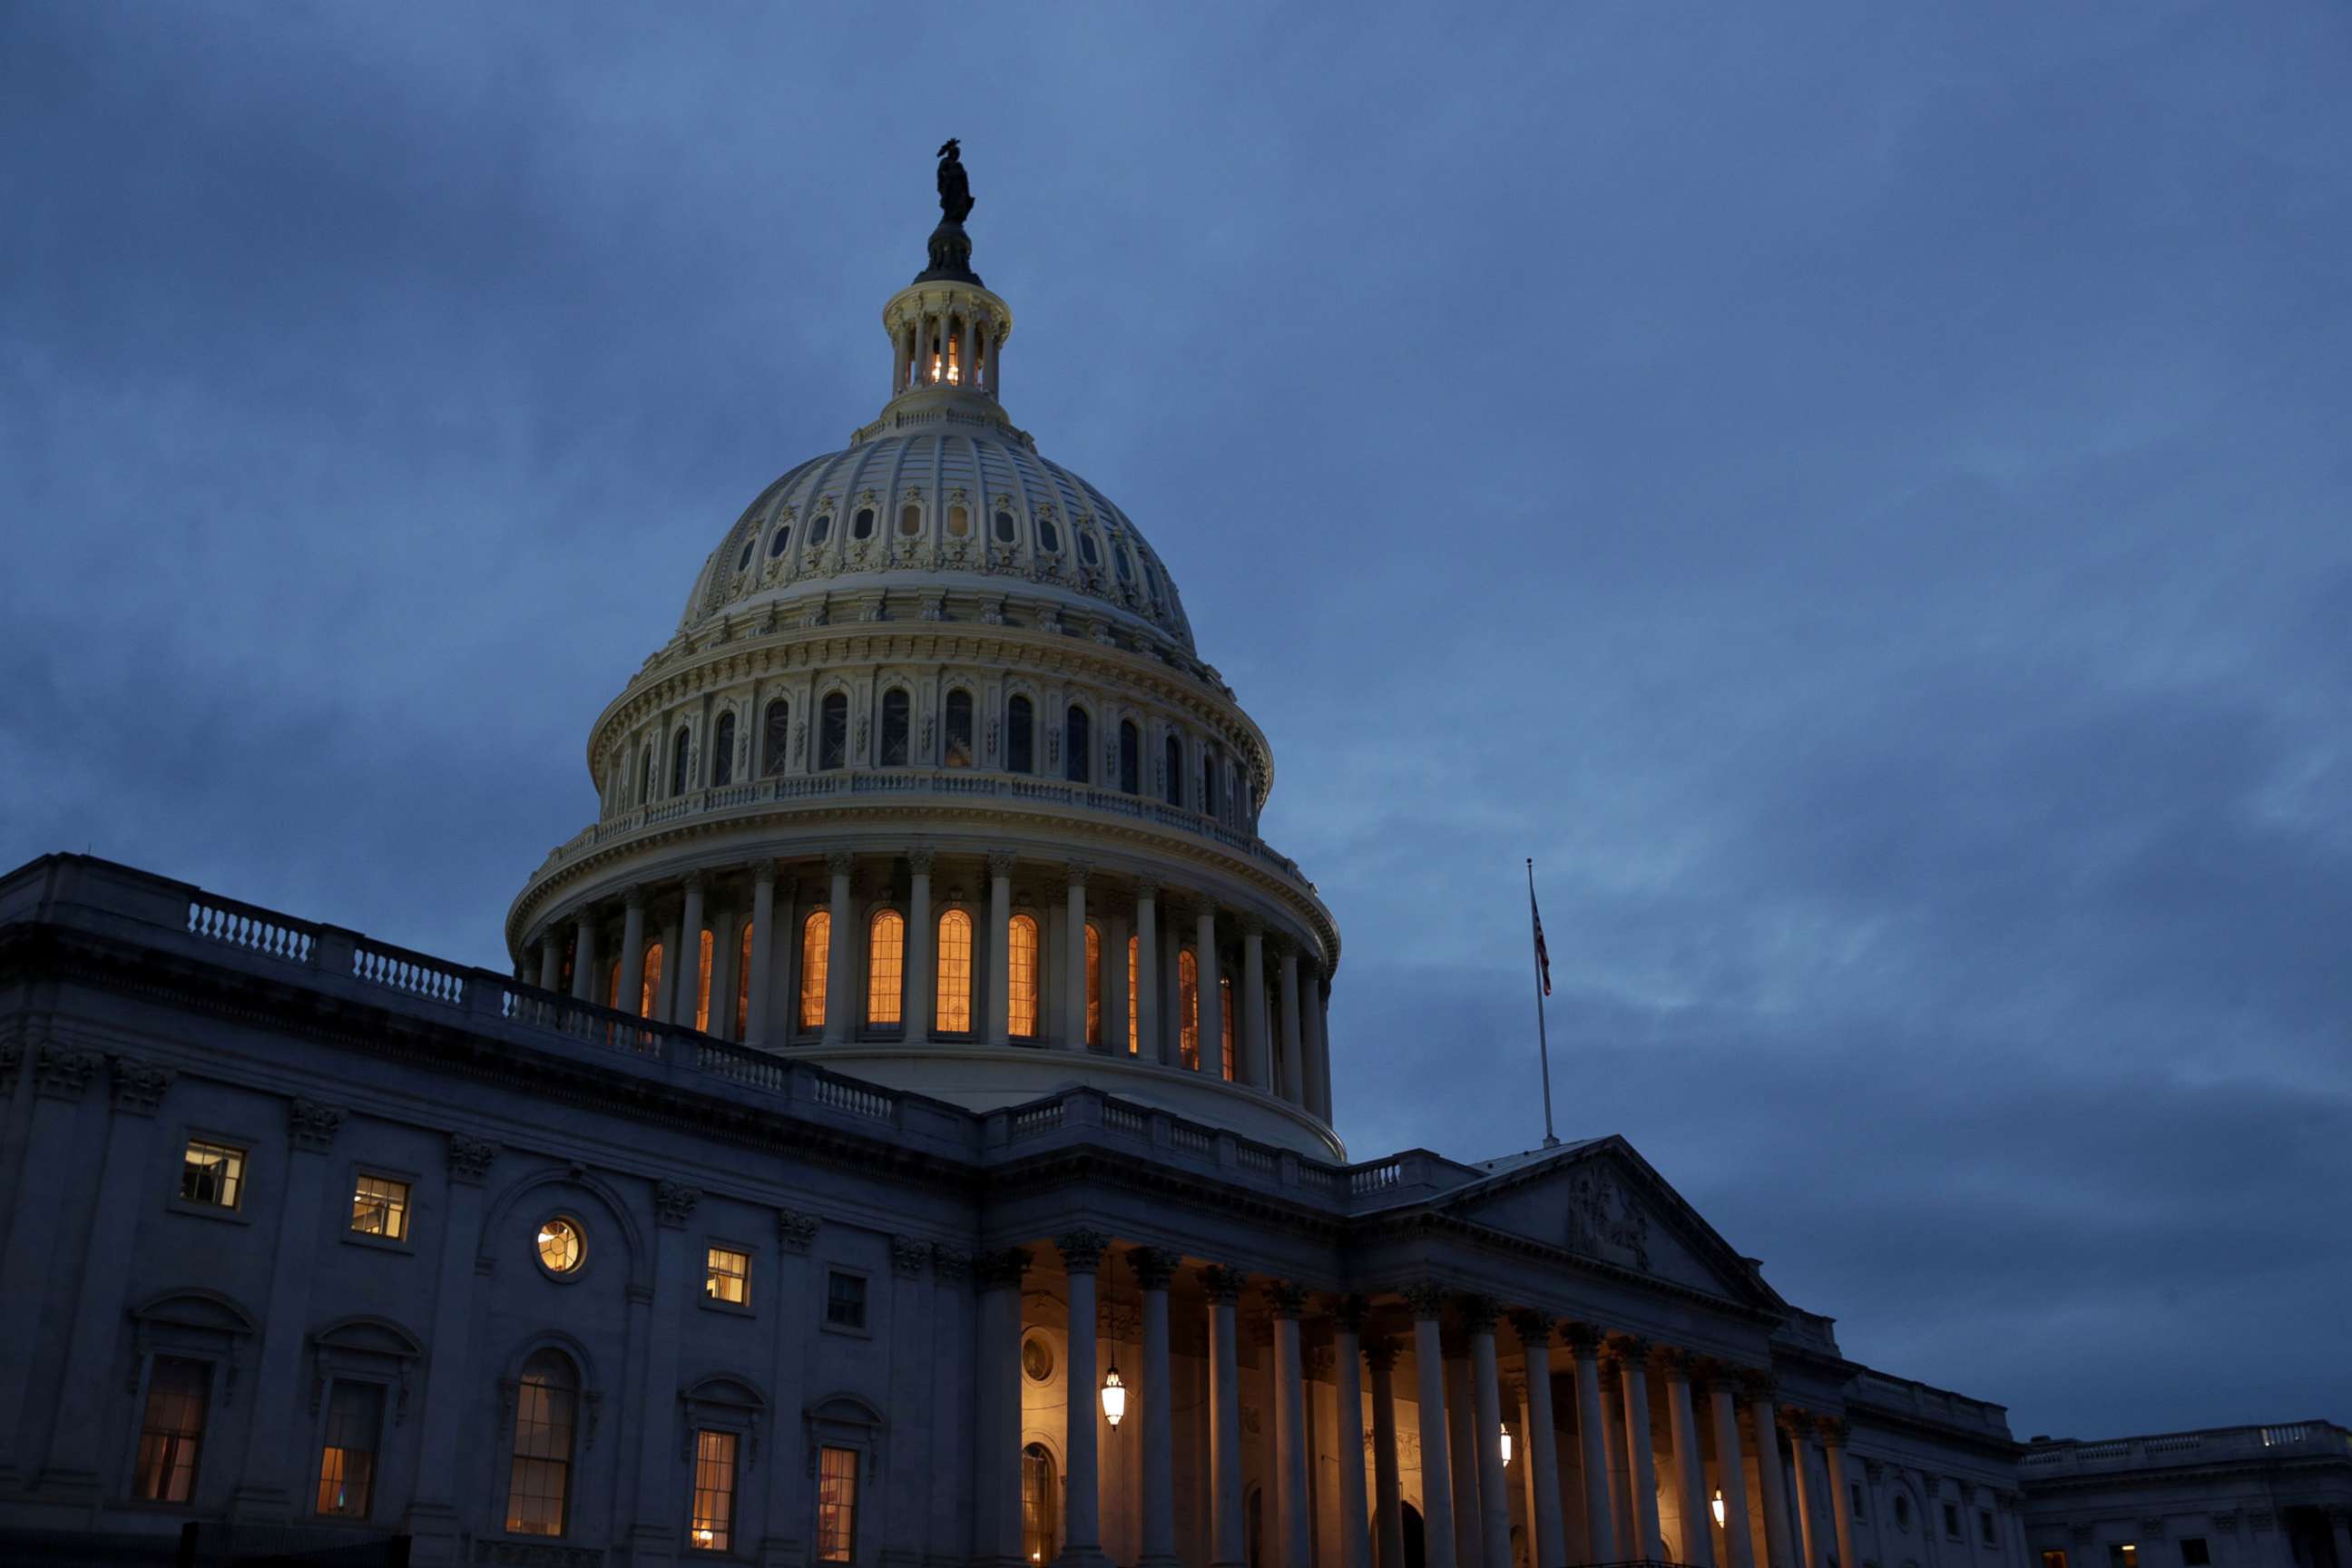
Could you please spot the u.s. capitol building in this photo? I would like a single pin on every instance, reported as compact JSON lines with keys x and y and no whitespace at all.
{"x":905,"y":1139}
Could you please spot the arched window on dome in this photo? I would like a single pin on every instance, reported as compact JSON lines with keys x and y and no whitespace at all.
{"x":894,"y":728}
{"x":775,"y":738}
{"x":1078,"y":746}
{"x":885,"y":968}
{"x":751,"y":543}
{"x":650,"y":990}
{"x":1021,"y":1001}
{"x":722,"y":751}
{"x":861,"y":526}
{"x":1213,"y":778}
{"x":1007,"y":531}
{"x":1188,"y":1010}
{"x":1088,"y":551}
{"x":681,"y":749}
{"x":1172,"y":767}
{"x":821,"y":530}
{"x":910,"y":520}
{"x":1049,"y":538}
{"x":833,"y":733}
{"x":546,"y":1411}
{"x":645,"y":776}
{"x":743,"y":985}
{"x":959,"y":520}
{"x":1134,"y":977}
{"x":1019,"y":736}
{"x":782,"y":541}
{"x":952,"y":1011}
{"x":1094,"y":985}
{"x":958,"y":752}
{"x":1130,"y":757}
{"x":1225,"y":1020}
{"x":816,"y":959}
{"x":1125,"y":567}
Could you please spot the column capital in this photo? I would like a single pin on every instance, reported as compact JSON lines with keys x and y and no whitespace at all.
{"x":1075,"y":872}
{"x":1081,"y":1249}
{"x":1427,"y":1300}
{"x":1535,"y":1328}
{"x":1288,"y":1299}
{"x":1834,"y":1430}
{"x":1380,"y":1352}
{"x":62,"y":1072}
{"x":139,"y":1085}
{"x":1348,"y":1312}
{"x":795,"y":1230}
{"x":312,"y":1124}
{"x":674,"y":1203}
{"x":920,"y":859}
{"x":838,"y":861}
{"x":1001,"y":1269}
{"x":1479,"y":1312}
{"x":470,"y":1157}
{"x":1147,"y":890}
{"x":1758,"y":1386}
{"x":696,"y":881}
{"x":1154,"y":1265}
{"x":764,"y":873}
{"x":1633,"y":1351}
{"x":1874,"y":1471}
{"x":1253,"y":923}
{"x":1001,"y":862}
{"x":949,"y":1265}
{"x":909,"y":1254}
{"x":633,"y":897}
{"x":1676,"y":1363}
{"x":1582,"y":1339}
{"x":1799,"y":1426}
{"x":1222,"y":1284}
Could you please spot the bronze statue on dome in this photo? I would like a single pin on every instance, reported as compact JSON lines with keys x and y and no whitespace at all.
{"x":955,"y":190}
{"x":950,"y":251}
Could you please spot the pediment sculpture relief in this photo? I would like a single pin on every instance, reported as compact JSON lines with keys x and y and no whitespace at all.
{"x":1602,"y":1222}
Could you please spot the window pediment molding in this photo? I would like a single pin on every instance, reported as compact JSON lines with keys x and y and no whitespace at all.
{"x":377,"y":1349}
{"x":195,"y":1322}
{"x":722,"y":1400}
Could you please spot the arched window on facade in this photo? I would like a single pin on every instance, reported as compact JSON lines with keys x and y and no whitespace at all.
{"x":1173,"y":762}
{"x":1130,"y":757}
{"x":539,"y":1483}
{"x":886,"y":967}
{"x":894,"y":725}
{"x":1021,"y":1001}
{"x":1078,"y":746}
{"x":1040,"y":1537}
{"x":833,"y":733}
{"x":957,"y":752}
{"x":743,"y":984}
{"x":1188,"y":1009}
{"x":652,"y":979}
{"x":775,"y":738}
{"x":679,"y":749}
{"x":722,"y":753}
{"x":816,"y":958}
{"x":1225,"y":1020}
{"x":952,"y":1009}
{"x":1093,"y":984}
{"x":1134,"y":974}
{"x":1019,"y":736}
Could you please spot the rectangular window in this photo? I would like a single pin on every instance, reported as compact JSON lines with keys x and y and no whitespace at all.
{"x":836,"y":1504}
{"x":213,"y":1175}
{"x":379,"y":1207}
{"x":1984,"y":1527}
{"x":2125,"y":1554}
{"x":713,"y":1528}
{"x":1856,"y":1488}
{"x":2053,"y":1560}
{"x":347,"y":1461}
{"x":845,"y":1300}
{"x":540,"y":1484}
{"x":171,"y":1435}
{"x":1952,"y":1520}
{"x":727,"y":1277}
{"x":2193,"y":1554}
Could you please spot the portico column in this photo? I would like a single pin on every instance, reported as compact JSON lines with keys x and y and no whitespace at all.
{"x":1462,"y":1454}
{"x":1152,"y":1269}
{"x":1427,"y":1301}
{"x":1082,"y":1252}
{"x":1147,"y":976}
{"x":584,"y":958}
{"x":691,"y":1002}
{"x":763,"y":952}
{"x":1620,"y":1481}
{"x":1543,"y":1457}
{"x":1641,"y":1461}
{"x":1766,"y":1424}
{"x":1494,"y":1501}
{"x":1347,"y":1402}
{"x":725,"y":951}
{"x":996,"y":1449}
{"x":1290,"y":1431}
{"x":630,"y":995}
{"x":1227,"y":1548}
{"x":922,"y":968}
{"x":550,"y":962}
{"x":1388,"y":1513}
{"x":1209,"y":1009}
{"x":1074,"y":961}
{"x":1740,"y":1545}
{"x":1801,"y":1477}
{"x":666,"y":995}
{"x":1294,"y":1076}
{"x":1690,"y":1476}
{"x":1257,"y":1066}
{"x":998,"y":1024}
{"x":1833,"y":1436}
{"x":838,"y":989}
{"x":1600,"y":1525}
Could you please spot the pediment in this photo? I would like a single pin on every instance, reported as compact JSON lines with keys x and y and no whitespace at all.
{"x":1602,"y":1201}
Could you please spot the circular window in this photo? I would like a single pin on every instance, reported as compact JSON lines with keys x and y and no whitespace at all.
{"x":745,"y":559}
{"x":1087,"y":550}
{"x":821,"y":530}
{"x":1049,"y":538}
{"x":862,"y":525}
{"x":1004,"y":527}
{"x":776,"y":545}
{"x":959,"y":520}
{"x":910,"y":519}
{"x":561,"y":1247}
{"x":1037,"y":1359}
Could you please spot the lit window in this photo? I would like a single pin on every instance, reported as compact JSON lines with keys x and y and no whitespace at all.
{"x":2193,"y":1552}
{"x":959,"y":730}
{"x":171,"y":1434}
{"x":2053,"y":1560}
{"x":1021,"y":1002}
{"x":2124,"y":1554}
{"x":1134,"y":974}
{"x":1037,"y":1499}
{"x":651,"y":986}
{"x":1225,"y":1020}
{"x":743,"y":983}
{"x":1077,"y":757}
{"x":895,"y":728}
{"x":836,"y":1505}
{"x":910,"y":520}
{"x":886,"y":967}
{"x":1019,"y":736}
{"x":862,"y":525}
{"x":562,"y":1247}
{"x":539,"y":1483}
{"x":833,"y":733}
{"x":213,"y":1175}
{"x":1094,"y":985}
{"x":776,"y":735}
{"x":713,"y":1527}
{"x":959,"y":520}
{"x":705,"y":945}
{"x":816,"y":958}
{"x":1188,"y":1009}
{"x":952,"y":1012}
{"x":347,"y":1460}
{"x":722,"y":751}
{"x":727,"y":1277}
{"x":845,"y":1300}
{"x":379,"y":1207}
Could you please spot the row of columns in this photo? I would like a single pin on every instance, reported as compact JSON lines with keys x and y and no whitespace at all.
{"x":928,"y":336}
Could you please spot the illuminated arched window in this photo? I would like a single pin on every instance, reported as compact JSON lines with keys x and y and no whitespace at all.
{"x":1130,"y":757}
{"x":1094,"y":985}
{"x":816,"y":958}
{"x":886,"y":967}
{"x":1134,"y":974}
{"x":894,"y":728}
{"x":958,"y":752}
{"x":953,"y":1010}
{"x":539,"y":1481}
{"x":678,"y":750}
{"x":652,"y":987}
{"x":1188,"y":1009}
{"x":1078,"y":748}
{"x":833,"y":733}
{"x":743,"y":985}
{"x":1019,"y":736}
{"x":1173,"y":761}
{"x":775,"y":737}
{"x":1225,"y":1020}
{"x":1021,"y":1001}
{"x":722,"y":753}
{"x":1039,"y":1540}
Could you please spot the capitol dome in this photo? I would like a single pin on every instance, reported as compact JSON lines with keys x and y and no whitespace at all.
{"x":932,"y":787}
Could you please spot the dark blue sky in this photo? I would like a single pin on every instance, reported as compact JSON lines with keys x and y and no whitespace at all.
{"x":1859,"y":492}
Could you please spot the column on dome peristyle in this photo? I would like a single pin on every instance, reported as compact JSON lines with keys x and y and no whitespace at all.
{"x":1291,"y":1036}
{"x":1535,"y":1330}
{"x":1257,"y":1069}
{"x":1778,"y":1541}
{"x":1486,"y":1401}
{"x":1731,"y":1474}
{"x":1148,"y":1046}
{"x":840,"y":987}
{"x":1082,"y":1252}
{"x":629,"y":996}
{"x":922,"y":967}
{"x":761,"y":977}
{"x":1347,"y":1421}
{"x":1156,"y":1394}
{"x":1294,"y":1532}
{"x":999,"y":1022}
{"x":1808,"y":1541}
{"x":1388,"y":1489}
{"x":1428,"y":1303}
{"x":1227,"y":1545}
{"x":1074,"y":960}
{"x":551,"y":960}
{"x":996,"y":1445}
{"x":1318,"y":1046}
{"x":1690,"y":1475}
{"x":583,"y":957}
{"x":1834,"y":1431}
{"x":1592,"y":1439}
{"x":1209,"y":1007}
{"x":1640,"y":1460}
{"x":691,"y":1006}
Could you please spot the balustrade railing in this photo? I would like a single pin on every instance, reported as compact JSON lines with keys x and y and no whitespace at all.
{"x":377,"y":965}
{"x":254,"y":929}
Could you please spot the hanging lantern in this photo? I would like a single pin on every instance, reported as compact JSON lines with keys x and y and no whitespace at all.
{"x":1506,"y":1447}
{"x":1114,"y":1397}
{"x":1719,"y":1507}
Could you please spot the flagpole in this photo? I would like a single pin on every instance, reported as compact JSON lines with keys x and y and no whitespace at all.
{"x":1543,"y":1044}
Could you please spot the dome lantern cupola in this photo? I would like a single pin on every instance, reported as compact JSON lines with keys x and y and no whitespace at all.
{"x":947,"y":331}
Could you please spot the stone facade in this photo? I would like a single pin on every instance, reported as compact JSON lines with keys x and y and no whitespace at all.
{"x":2229,"y":1497}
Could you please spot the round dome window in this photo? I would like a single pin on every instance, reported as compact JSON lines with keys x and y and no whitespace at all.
{"x":1037,"y":1359}
{"x":562,"y":1247}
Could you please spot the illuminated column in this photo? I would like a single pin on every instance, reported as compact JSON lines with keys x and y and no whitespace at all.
{"x":1766,"y":1421}
{"x":687,"y":958}
{"x":1317,"y":1053}
{"x":1388,"y":1513}
{"x":1347,"y":1404}
{"x":1494,"y":1501}
{"x":550,"y":962}
{"x":1257,"y":1070}
{"x":1211,"y":1014}
{"x":1731,"y":1476}
{"x":1427,"y":1301}
{"x":1157,"y":1394}
{"x":922,"y":968}
{"x":838,"y":988}
{"x":1074,"y":960}
{"x":1801,"y":1477}
{"x":1291,"y":1502}
{"x":999,"y":1021}
{"x":899,"y":354}
{"x":1082,"y":1252}
{"x":1147,"y":978}
{"x":1543,"y":1457}
{"x":1294,"y":1076}
{"x":1592,"y":1439}
{"x":969,"y":363}
{"x":1835,"y":1433}
{"x":996,"y":1450}
{"x":1690,"y":1476}
{"x":761,"y":979}
{"x":584,"y":958}
{"x":1228,"y":1547}
{"x":1173,"y":1015}
{"x":1640,"y":1460}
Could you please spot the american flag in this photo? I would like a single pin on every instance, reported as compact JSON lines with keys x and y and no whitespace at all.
{"x":1543,"y":954}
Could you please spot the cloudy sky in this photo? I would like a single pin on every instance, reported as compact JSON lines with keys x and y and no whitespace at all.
{"x":1860,"y":493}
